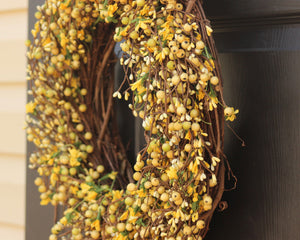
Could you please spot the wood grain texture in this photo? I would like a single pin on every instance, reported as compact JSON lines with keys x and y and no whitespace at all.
{"x":13,"y":5}
{"x":12,"y":61}
{"x":14,"y":170}
{"x":11,"y":232}
{"x":12,"y":204}
{"x":13,"y":19}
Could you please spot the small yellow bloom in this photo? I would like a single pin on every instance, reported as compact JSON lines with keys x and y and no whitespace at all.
{"x":84,"y":187}
{"x":64,"y":5}
{"x":74,"y":155}
{"x":172,"y":173}
{"x":230,"y":113}
{"x":91,"y":195}
{"x":112,"y":9}
{"x":63,"y":221}
{"x":96,"y":224}
{"x":117,"y":194}
{"x":80,"y":34}
{"x":124,"y":216}
{"x":53,"y":179}
{"x":113,"y":175}
{"x":45,"y":201}
{"x":208,"y":30}
{"x":30,"y":107}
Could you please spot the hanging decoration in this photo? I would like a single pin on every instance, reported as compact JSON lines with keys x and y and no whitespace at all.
{"x":175,"y":87}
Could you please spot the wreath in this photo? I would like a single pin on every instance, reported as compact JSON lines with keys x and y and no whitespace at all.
{"x":172,"y":79}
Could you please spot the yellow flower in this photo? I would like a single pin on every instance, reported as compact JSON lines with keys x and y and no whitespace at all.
{"x":200,"y":95}
{"x":190,"y":190}
{"x":117,"y":194}
{"x":208,"y":30}
{"x":188,"y":135}
{"x":145,"y":10}
{"x":195,"y":216}
{"x":45,"y":201}
{"x":133,"y":217}
{"x":193,"y":167}
{"x":209,"y":65}
{"x":112,"y":9}
{"x":96,"y":224}
{"x":63,"y":40}
{"x":30,"y":107}
{"x":63,"y":221}
{"x":172,"y":173}
{"x":121,"y":237}
{"x":113,"y":175}
{"x":74,"y":189}
{"x":138,"y":86}
{"x":142,"y":24}
{"x":80,"y":34}
{"x":124,"y":216}
{"x":230,"y":113}
{"x":53,"y":179}
{"x":213,"y":103}
{"x":74,"y":155}
{"x":91,"y":195}
{"x":124,"y":32}
{"x":84,"y":187}
{"x":64,"y":5}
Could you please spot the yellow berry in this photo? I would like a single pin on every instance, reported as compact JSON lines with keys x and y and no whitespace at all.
{"x":181,"y":110}
{"x":200,"y":224}
{"x":134,"y":35}
{"x":164,"y":197}
{"x":194,"y":113}
{"x":95,"y":234}
{"x":188,"y":147}
{"x":88,"y":135}
{"x":187,"y":230}
{"x":166,"y":147}
{"x":155,"y":181}
{"x":171,"y":65}
{"x":214,"y":80}
{"x":131,"y":187}
{"x":151,"y":43}
{"x":82,"y":108}
{"x":121,"y":227}
{"x":100,"y":169}
{"x":137,"y":176}
{"x":160,"y":94}
{"x":196,"y":127}
{"x":186,"y":125}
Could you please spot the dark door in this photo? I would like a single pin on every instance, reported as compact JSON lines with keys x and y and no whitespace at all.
{"x":259,"y":48}
{"x":259,"y":43}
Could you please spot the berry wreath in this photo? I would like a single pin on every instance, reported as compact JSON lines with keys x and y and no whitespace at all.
{"x":175,"y":87}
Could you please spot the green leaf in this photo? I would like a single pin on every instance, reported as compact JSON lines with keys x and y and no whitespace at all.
{"x":195,"y":206}
{"x":206,"y":53}
{"x":54,"y":155}
{"x":140,"y":222}
{"x":136,"y":209}
{"x":124,"y":233}
{"x":69,"y":216}
{"x":112,"y":19}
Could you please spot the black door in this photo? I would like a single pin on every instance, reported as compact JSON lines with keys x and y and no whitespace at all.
{"x":259,"y":43}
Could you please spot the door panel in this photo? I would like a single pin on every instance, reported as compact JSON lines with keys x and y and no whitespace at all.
{"x":259,"y":59}
{"x":247,"y":8}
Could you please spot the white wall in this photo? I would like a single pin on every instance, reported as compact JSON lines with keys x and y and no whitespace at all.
{"x":13,"y":33}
